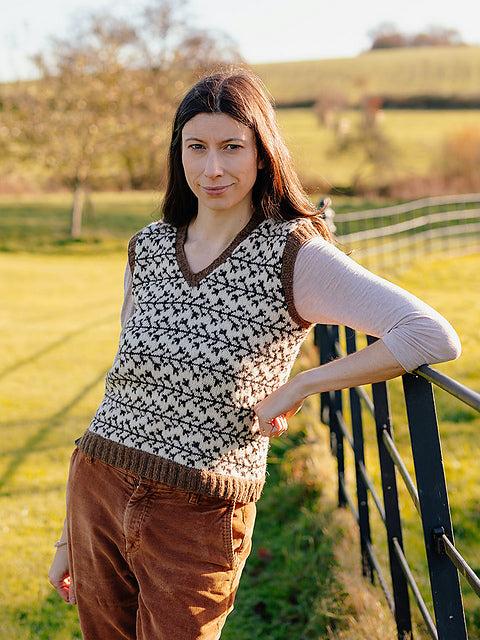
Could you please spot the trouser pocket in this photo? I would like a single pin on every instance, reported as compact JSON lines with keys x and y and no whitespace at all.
{"x":239,"y":528}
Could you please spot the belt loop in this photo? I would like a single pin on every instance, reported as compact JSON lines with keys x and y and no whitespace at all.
{"x":193,"y":498}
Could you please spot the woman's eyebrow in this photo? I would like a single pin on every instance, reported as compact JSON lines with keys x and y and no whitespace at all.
{"x":190,"y":138}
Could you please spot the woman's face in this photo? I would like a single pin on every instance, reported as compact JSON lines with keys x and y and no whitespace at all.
{"x":219,"y":157}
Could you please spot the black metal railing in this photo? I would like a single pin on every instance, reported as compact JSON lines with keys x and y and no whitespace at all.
{"x":429,"y":493}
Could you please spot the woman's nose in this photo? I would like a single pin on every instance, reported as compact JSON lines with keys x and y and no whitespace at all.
{"x":213,"y":167}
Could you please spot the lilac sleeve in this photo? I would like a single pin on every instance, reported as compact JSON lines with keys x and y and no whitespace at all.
{"x":128,"y":303}
{"x":330,"y":288}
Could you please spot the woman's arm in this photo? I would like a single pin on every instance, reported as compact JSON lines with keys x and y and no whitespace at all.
{"x":329,"y":288}
{"x":371,"y":364}
{"x":128,"y":303}
{"x":59,"y":573}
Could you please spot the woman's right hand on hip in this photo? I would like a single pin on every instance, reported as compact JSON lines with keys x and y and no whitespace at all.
{"x":59,"y":575}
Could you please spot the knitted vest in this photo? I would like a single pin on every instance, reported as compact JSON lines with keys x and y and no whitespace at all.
{"x":199,"y":351}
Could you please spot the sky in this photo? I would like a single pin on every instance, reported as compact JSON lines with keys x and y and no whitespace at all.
{"x":264,"y":30}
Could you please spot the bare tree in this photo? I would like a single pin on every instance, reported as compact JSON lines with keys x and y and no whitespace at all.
{"x":328,"y":106}
{"x":106,"y":95}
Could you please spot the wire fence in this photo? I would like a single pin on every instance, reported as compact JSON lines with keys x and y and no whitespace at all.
{"x":390,"y":238}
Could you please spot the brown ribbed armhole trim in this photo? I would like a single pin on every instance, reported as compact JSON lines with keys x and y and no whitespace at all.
{"x":304,"y":231}
{"x":131,"y":251}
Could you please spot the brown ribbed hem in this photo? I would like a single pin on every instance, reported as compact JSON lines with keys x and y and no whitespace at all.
{"x":304,"y":231}
{"x":162,"y":470}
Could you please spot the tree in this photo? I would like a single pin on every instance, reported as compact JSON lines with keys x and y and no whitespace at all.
{"x":368,"y":142}
{"x":106,"y":94}
{"x":436,"y":36}
{"x":387,"y":36}
{"x":328,"y":105}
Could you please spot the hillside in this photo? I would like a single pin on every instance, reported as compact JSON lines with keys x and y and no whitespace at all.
{"x":410,"y":144}
{"x":445,"y":71}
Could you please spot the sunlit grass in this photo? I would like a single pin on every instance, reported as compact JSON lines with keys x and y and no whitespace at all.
{"x":59,"y":329}
{"x":445,"y":71}
{"x":43,"y":222}
{"x":416,"y":138}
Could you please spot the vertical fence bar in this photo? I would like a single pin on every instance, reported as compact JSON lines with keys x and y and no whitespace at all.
{"x":337,"y":440}
{"x":435,"y":510}
{"x":362,"y":492}
{"x":392,"y":512}
{"x":322,"y":341}
{"x":331,"y":402}
{"x":336,"y":433}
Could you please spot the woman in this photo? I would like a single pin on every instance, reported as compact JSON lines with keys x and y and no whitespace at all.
{"x":219,"y":297}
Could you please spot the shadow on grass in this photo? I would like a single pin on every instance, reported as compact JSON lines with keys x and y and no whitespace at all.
{"x":288,"y":590}
{"x":54,"y":345}
{"x":48,"y":425}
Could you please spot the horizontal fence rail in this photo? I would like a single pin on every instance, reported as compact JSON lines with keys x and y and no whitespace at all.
{"x":390,"y":237}
{"x":428,"y":494}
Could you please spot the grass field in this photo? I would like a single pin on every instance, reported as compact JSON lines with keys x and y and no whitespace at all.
{"x":416,"y":138}
{"x":58,"y":333}
{"x":411,"y":71}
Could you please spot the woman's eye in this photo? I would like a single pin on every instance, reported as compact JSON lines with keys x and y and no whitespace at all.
{"x":233,"y":147}
{"x":195,"y":146}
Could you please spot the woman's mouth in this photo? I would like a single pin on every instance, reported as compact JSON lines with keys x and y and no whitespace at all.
{"x":216,"y":191}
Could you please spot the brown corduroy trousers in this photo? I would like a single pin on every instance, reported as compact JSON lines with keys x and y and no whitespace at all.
{"x":150,"y":561}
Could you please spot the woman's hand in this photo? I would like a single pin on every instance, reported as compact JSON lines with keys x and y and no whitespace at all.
{"x":371,"y":364}
{"x":59,"y":575}
{"x":272,"y":412}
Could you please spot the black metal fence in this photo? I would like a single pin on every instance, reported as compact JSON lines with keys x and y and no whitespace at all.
{"x":429,"y":494}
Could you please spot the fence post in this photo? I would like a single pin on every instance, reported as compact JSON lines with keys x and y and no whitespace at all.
{"x":331,"y":402}
{"x":392,"y":512}
{"x":322,"y":341}
{"x":435,"y":510}
{"x":337,"y":443}
{"x":362,"y":493}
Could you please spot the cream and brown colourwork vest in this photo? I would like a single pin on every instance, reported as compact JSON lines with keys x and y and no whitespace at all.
{"x":199,"y":351}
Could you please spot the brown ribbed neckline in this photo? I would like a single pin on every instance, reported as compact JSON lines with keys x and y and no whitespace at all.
{"x":194,"y":279}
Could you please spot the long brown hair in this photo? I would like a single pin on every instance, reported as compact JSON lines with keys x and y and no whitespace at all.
{"x":277,"y":192}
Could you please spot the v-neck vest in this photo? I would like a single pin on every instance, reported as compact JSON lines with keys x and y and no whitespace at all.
{"x":197,"y":354}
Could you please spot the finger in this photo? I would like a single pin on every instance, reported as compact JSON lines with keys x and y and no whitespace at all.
{"x":71,"y":593}
{"x":278,"y":426}
{"x":61,"y":590}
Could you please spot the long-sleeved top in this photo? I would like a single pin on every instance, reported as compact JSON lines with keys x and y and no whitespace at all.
{"x":199,"y":350}
{"x":331,"y":288}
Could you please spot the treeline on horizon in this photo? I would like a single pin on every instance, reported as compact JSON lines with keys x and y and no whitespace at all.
{"x":402,"y":101}
{"x":388,"y":36}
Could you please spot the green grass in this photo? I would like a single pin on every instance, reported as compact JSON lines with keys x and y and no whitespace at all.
{"x":42,"y":223}
{"x":412,"y":71}
{"x":59,"y":334}
{"x":59,"y":331}
{"x":416,"y":137}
